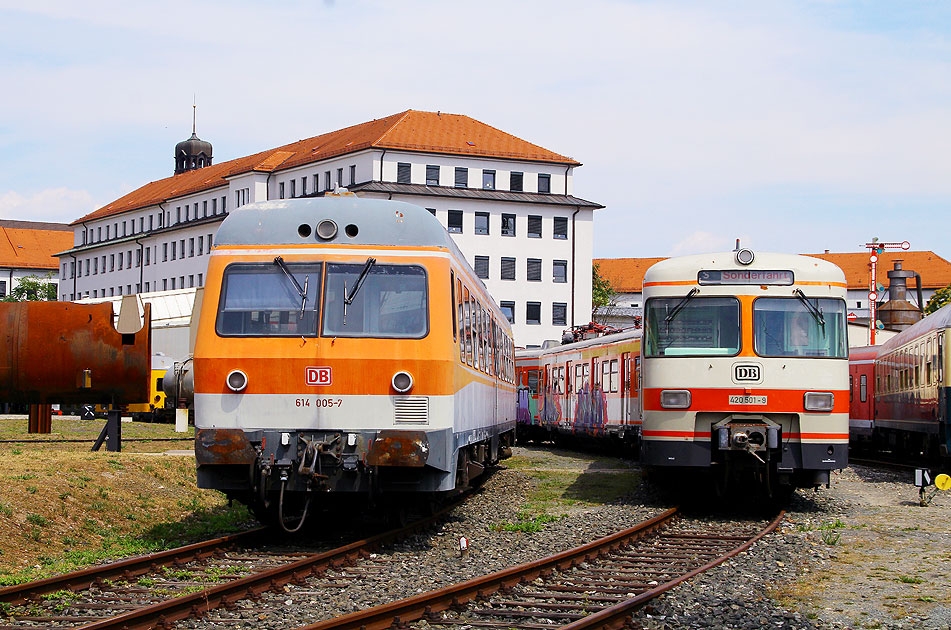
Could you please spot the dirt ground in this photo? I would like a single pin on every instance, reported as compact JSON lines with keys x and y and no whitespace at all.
{"x":873,"y":557}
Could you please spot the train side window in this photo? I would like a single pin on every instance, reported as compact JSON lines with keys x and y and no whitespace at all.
{"x":468,"y":334}
{"x":461,"y":319}
{"x":851,"y":386}
{"x":475,"y":331}
{"x":606,"y":375}
{"x":614,"y":375}
{"x":533,"y":381}
{"x":863,"y":388}
{"x":452,"y":303}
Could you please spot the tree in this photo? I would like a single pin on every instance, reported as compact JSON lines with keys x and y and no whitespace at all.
{"x":603,"y":294}
{"x":941,"y":297}
{"x":33,"y":288}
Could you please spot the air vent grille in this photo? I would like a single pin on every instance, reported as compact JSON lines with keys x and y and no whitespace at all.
{"x":412,"y":409}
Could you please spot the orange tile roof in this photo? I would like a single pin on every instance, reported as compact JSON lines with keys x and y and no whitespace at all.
{"x":428,"y":132}
{"x":31,"y":245}
{"x":626,"y":275}
{"x":934,"y":270}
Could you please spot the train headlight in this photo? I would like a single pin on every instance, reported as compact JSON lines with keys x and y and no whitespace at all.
{"x":237,"y":380}
{"x":744,"y":256}
{"x":326,"y":229}
{"x":818,"y":401}
{"x":675,"y":398}
{"x":402,"y":382}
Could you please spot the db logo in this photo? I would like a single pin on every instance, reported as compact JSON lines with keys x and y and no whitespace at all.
{"x":318,"y":376}
{"x":747,"y":372}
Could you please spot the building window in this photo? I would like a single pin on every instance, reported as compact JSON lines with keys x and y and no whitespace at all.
{"x":559,"y":272}
{"x":165,"y":284}
{"x":533,"y":269}
{"x":209,"y":243}
{"x":534,"y":226}
{"x":148,"y":285}
{"x":214,"y":206}
{"x":482,"y":267}
{"x":95,"y":265}
{"x":432,"y":211}
{"x":544,"y":183}
{"x":462,"y":177}
{"x":533,"y":312}
{"x":200,"y":280}
{"x":204,"y":209}
{"x":151,"y":222}
{"x":560,"y":227}
{"x":174,"y":247}
{"x":455,"y":221}
{"x":148,"y":257}
{"x":201,"y":245}
{"x":173,"y":284}
{"x":191,"y":281}
{"x":293,"y":188}
{"x":432,"y":175}
{"x":340,"y":177}
{"x":164,"y":252}
{"x":224,"y":204}
{"x":138,"y":258}
{"x":559,"y":314}
{"x":280,"y":190}
{"x":112,"y":264}
{"x":515,"y":181}
{"x":507,"y":269}
{"x":508,"y":309}
{"x":353,"y":174}
{"x":403,"y":173}
{"x":488,"y":180}
{"x":326,"y":180}
{"x":481,"y":222}
{"x":508,"y":225}
{"x":191,"y":247}
{"x":303,"y":186}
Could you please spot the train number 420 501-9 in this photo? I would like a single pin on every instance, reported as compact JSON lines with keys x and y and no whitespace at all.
{"x":319,"y":402}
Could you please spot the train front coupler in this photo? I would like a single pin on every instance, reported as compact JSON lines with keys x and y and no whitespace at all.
{"x":751,"y":433}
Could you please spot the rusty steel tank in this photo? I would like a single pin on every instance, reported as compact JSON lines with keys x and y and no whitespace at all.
{"x":63,"y":352}
{"x":898,"y":313}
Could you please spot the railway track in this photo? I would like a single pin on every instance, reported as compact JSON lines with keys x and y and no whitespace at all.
{"x":597,"y":585}
{"x":159,"y":589}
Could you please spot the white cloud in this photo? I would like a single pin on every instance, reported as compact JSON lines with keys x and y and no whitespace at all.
{"x":700,"y":242}
{"x":57,"y":205}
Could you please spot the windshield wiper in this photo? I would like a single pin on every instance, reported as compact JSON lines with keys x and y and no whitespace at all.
{"x":680,"y":306}
{"x":816,"y":313}
{"x":301,"y":292}
{"x":348,"y":300}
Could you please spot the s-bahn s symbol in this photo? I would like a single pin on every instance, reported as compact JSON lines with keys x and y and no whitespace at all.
{"x":318,"y":376}
{"x":747,"y":373}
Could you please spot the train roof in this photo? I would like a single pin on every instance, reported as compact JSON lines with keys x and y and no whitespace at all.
{"x":624,"y":335}
{"x":685,"y":268}
{"x":377,"y":222}
{"x":936,"y":321}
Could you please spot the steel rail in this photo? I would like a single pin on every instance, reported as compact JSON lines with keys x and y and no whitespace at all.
{"x":616,"y":616}
{"x":130,"y":567}
{"x":163,"y":614}
{"x":414,"y":608}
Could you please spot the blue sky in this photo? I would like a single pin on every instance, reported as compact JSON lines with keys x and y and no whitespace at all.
{"x":794,"y":126}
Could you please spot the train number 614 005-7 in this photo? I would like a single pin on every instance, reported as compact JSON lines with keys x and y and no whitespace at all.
{"x":319,"y":402}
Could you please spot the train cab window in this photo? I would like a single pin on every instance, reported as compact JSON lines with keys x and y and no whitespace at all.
{"x":259,"y":300}
{"x":533,"y":381}
{"x":786,"y":327}
{"x":693,"y":326}
{"x":384,"y":301}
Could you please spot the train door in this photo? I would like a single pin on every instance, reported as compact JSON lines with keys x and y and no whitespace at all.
{"x":634,"y":389}
{"x":567,"y":409}
{"x":625,"y":388}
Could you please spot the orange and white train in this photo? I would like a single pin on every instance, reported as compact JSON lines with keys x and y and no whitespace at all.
{"x":346,"y":350}
{"x":745,"y":368}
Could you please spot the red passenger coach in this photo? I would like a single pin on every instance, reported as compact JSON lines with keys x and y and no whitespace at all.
{"x":861,"y":395}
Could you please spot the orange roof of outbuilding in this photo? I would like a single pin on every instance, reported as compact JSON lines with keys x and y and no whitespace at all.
{"x":31,"y":245}
{"x":426,"y":132}
{"x":626,"y":275}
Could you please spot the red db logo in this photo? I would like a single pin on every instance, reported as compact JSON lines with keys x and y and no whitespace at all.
{"x":318,"y":376}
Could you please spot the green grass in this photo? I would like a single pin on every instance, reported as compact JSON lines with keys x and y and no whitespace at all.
{"x":907,"y":579}
{"x":526,"y":523}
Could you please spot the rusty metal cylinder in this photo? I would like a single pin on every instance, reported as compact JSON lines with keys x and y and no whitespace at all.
{"x":898,"y":312}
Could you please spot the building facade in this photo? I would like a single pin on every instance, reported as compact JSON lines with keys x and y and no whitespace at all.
{"x":509,"y":205}
{"x":28,"y":248}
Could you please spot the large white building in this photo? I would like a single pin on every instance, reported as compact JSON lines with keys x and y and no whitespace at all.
{"x":508,"y":203}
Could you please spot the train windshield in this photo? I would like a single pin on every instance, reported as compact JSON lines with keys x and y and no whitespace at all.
{"x":696,"y":327}
{"x":260,"y":300}
{"x":392,"y":301}
{"x":788,"y":327}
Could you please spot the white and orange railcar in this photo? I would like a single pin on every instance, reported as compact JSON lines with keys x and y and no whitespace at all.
{"x":745,"y":368}
{"x":346,"y":350}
